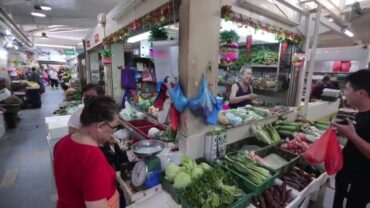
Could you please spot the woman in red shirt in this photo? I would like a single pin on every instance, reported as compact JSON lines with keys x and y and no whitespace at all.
{"x":83,"y":176}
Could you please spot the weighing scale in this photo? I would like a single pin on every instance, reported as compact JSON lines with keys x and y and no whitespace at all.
{"x":147,"y":170}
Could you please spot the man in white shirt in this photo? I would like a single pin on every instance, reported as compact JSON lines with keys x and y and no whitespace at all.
{"x":53,"y":78}
{"x":89,"y":90}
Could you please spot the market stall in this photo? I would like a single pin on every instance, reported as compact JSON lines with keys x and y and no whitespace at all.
{"x":248,"y":156}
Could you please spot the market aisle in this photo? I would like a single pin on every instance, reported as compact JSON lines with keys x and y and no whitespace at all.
{"x":25,"y":168}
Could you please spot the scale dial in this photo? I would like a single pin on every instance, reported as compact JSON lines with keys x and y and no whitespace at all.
{"x":139,"y":173}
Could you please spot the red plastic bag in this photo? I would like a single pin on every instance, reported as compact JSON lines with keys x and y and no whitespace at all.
{"x":316,"y":153}
{"x":337,"y":66}
{"x":175,"y":118}
{"x":326,"y":149}
{"x":334,"y":156}
{"x":346,"y":66}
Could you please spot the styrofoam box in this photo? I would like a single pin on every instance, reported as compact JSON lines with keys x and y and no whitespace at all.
{"x":138,"y":196}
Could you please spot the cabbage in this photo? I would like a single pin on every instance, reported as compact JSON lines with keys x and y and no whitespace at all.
{"x":188,"y":163}
{"x":171,"y":171}
{"x":182,"y":180}
{"x":205,"y":166}
{"x":197,"y":172}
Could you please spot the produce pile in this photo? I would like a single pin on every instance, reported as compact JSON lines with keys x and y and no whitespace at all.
{"x":297,"y":178}
{"x":235,"y":117}
{"x":202,"y":185}
{"x":243,"y":115}
{"x":246,"y":167}
{"x":289,"y":128}
{"x":276,"y":196}
{"x":298,"y":145}
{"x":262,"y":55}
{"x":266,"y":134}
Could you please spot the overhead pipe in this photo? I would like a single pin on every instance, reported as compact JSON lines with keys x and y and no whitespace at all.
{"x":14,"y":28}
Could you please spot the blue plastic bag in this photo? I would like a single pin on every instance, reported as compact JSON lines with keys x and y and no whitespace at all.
{"x":204,"y":102}
{"x":179,"y":100}
{"x":213,"y":117}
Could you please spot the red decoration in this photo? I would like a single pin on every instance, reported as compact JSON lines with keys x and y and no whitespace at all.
{"x":248,"y":46}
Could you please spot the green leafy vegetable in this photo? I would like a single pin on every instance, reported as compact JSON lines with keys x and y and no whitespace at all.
{"x":171,"y":171}
{"x":182,"y":180}
{"x":197,"y":172}
{"x":205,"y":166}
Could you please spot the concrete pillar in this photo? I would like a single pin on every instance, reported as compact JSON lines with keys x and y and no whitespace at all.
{"x":117,"y":60}
{"x":199,"y":52}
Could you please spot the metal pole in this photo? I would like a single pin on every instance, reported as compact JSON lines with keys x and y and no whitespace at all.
{"x":302,"y":72}
{"x":312,"y":60}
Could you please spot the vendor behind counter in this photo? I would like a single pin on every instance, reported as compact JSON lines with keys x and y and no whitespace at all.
{"x":242,"y":91}
{"x":319,"y":87}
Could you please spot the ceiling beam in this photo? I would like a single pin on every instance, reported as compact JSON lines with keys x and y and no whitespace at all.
{"x":334,"y":11}
{"x":294,"y":7}
{"x":14,"y":28}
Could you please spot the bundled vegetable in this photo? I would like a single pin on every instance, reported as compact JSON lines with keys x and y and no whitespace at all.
{"x":267,"y":134}
{"x":247,"y":167}
{"x":297,"y":178}
{"x":183,"y":176}
{"x":214,"y":189}
{"x":276,"y":196}
{"x":298,"y":145}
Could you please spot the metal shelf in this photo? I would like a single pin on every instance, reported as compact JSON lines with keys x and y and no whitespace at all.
{"x":264,"y":66}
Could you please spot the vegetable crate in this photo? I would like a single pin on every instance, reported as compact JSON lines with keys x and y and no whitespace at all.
{"x":242,"y":202}
{"x":167,"y":186}
{"x":291,"y":158}
{"x":245,"y":184}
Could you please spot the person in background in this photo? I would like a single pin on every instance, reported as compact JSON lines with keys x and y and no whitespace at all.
{"x":242,"y":91}
{"x":54,"y":80}
{"x":82,"y":174}
{"x":68,"y":91}
{"x":89,"y":90}
{"x":45,"y":76}
{"x":353,"y":181}
{"x":35,"y":76}
{"x":319,"y":87}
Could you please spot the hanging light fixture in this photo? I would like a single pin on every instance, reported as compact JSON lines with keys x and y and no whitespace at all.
{"x":42,"y":7}
{"x":38,"y":14}
{"x":44,"y":36}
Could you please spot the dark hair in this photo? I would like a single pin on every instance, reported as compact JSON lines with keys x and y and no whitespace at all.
{"x":360,"y":80}
{"x":96,"y":87}
{"x":326,"y":78}
{"x":98,"y":109}
{"x":33,"y":69}
{"x":64,"y":87}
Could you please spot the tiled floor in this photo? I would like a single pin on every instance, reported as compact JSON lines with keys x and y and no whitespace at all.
{"x":24,"y":153}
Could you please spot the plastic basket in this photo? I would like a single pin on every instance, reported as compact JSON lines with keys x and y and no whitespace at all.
{"x":242,"y":202}
{"x":167,"y":186}
{"x":245,"y":184}
{"x":140,"y":123}
{"x":291,"y":158}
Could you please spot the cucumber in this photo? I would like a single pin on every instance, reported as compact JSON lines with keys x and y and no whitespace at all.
{"x":291,"y":123}
{"x":325,"y":123}
{"x":270,"y":133}
{"x":322,"y":127}
{"x":288,"y":128}
{"x":285,"y":133}
{"x":283,"y":117}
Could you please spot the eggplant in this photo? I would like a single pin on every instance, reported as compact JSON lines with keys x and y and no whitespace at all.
{"x":262,"y":202}
{"x":283,"y":192}
{"x":294,"y":185}
{"x":269,"y":198}
{"x":289,"y":197}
